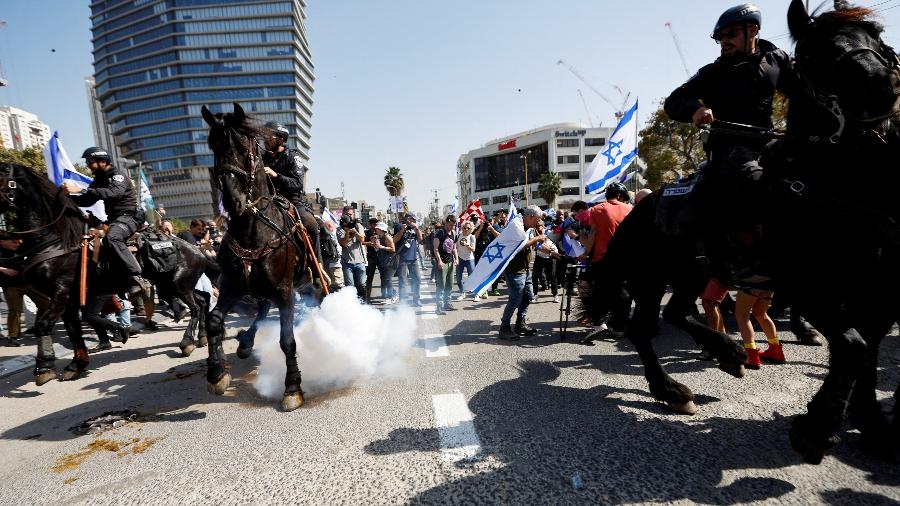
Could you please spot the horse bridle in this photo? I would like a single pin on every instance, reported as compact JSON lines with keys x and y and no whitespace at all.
{"x":249,"y":172}
{"x":10,"y":196}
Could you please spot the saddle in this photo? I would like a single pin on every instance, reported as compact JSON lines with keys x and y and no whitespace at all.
{"x":677,"y":206}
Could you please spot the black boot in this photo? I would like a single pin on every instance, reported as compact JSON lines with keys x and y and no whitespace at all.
{"x":523,"y":329}
{"x":507,"y":334}
{"x":806,"y":334}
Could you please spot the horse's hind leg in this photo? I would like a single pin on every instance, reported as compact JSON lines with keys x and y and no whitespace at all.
{"x":247,"y":337}
{"x":217,"y":376}
{"x":640,"y":332}
{"x":203,"y":300}
{"x":293,"y":394}
{"x":187,"y":343}
{"x":864,"y":411}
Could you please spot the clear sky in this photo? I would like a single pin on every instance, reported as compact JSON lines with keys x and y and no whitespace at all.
{"x":416,"y":83}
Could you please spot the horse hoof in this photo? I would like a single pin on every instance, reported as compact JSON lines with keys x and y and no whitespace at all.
{"x":44,"y":377}
{"x":203,"y":341}
{"x":219,"y":387}
{"x":69,"y":375}
{"x":187,"y":350}
{"x":243,"y":353}
{"x":736,"y":370}
{"x":291,"y":401}
{"x":809,"y":451}
{"x":685,"y":408}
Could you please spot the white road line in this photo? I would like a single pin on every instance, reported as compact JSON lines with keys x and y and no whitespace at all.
{"x":428,"y":308}
{"x":435,"y":346}
{"x":429,"y":316}
{"x":455,"y":428}
{"x":11,"y":366}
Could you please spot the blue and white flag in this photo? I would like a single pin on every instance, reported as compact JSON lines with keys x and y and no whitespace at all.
{"x":330,"y":220}
{"x":496,"y":257}
{"x":572,"y":247}
{"x":146,"y":198}
{"x":513,"y":213}
{"x":60,"y":170}
{"x":620,"y":150}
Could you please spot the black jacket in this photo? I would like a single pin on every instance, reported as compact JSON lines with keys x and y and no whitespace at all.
{"x":291,"y":172}
{"x":116,"y":191}
{"x":738,"y":90}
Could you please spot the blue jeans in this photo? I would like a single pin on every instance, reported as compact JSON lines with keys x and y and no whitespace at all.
{"x":410,"y":275}
{"x":520,"y":294}
{"x":468,"y":266}
{"x":355,"y":275}
{"x":386,"y":271}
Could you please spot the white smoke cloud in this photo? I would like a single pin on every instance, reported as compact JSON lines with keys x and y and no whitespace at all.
{"x":339,"y":343}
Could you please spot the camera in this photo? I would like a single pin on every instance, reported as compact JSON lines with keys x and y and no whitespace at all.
{"x":349,"y":222}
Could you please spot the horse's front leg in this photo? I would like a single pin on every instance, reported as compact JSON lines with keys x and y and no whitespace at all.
{"x":247,"y":337}
{"x":44,"y":370}
{"x":293,"y":394}
{"x":187,"y":344}
{"x":217,"y":376}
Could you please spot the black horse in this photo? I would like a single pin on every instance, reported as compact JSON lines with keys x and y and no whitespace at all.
{"x":178,"y":283}
{"x":833,"y":252}
{"x":261,"y":250}
{"x":51,"y":227}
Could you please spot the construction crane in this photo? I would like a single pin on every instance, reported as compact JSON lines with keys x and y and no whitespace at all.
{"x":678,"y":48}
{"x":619,"y":109}
{"x":580,"y":94}
{"x":3,"y":82}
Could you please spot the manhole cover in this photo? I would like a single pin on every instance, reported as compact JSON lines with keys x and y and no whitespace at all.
{"x":105,"y":422}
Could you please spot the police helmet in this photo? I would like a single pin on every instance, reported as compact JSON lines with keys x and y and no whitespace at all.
{"x":278,"y":129}
{"x":95,"y":153}
{"x":744,"y":14}
{"x":616,"y":190}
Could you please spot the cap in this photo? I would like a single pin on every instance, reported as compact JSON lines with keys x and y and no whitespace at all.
{"x":382,"y":226}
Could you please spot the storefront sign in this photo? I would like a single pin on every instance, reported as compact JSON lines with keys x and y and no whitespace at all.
{"x":570,"y":133}
{"x":506,"y":145}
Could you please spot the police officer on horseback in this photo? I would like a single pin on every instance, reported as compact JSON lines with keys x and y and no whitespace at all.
{"x":119,"y":198}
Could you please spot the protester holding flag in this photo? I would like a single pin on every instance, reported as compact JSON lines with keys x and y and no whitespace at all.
{"x":120,"y":200}
{"x":518,"y":277}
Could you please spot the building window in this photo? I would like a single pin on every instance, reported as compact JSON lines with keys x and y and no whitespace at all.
{"x":573,"y":174}
{"x":589,"y":158}
{"x":567,"y":143}
{"x":594,"y":141}
{"x":567,"y":159}
{"x":570,"y":191}
{"x":508,"y":169}
{"x":499,"y":199}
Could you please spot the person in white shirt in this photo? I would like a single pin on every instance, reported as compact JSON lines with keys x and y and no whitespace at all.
{"x":543,"y":263}
{"x":465,"y":250}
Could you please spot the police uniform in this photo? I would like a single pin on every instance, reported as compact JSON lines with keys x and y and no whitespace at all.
{"x":290,"y":182}
{"x":120,"y":200}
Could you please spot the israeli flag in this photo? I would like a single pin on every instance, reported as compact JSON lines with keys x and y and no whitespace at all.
{"x":572,"y":247}
{"x":513,"y":213}
{"x":61,"y":170}
{"x":146,"y":198}
{"x":496,"y":257}
{"x":330,"y":220}
{"x":620,"y":150}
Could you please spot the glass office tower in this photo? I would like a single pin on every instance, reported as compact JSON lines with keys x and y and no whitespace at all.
{"x":156,"y":62}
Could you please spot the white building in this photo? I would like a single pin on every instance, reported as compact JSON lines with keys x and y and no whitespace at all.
{"x":103,"y":137}
{"x":22,"y":130}
{"x":496,"y":171}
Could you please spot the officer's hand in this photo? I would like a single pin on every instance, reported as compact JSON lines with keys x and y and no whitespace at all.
{"x":270,"y":172}
{"x":72,"y":188}
{"x":703,"y":116}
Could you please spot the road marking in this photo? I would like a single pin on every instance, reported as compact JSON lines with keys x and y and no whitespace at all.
{"x":428,"y":308}
{"x":11,"y":366}
{"x":429,"y":316}
{"x":455,"y":428}
{"x":435,"y":346}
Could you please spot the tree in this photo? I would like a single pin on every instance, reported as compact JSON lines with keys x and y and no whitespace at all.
{"x":669,"y":149}
{"x":31,"y":157}
{"x":393,"y":181}
{"x":550,"y":187}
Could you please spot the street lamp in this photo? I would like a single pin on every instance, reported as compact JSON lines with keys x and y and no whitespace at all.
{"x":524,"y":156}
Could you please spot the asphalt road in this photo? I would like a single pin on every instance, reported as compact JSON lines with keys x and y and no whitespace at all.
{"x":472,"y":420}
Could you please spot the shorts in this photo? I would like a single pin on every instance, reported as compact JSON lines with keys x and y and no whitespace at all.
{"x":714,"y":291}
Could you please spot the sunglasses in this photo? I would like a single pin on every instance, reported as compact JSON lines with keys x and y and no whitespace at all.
{"x":730,"y":33}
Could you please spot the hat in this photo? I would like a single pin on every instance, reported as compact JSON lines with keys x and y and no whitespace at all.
{"x":532,"y":210}
{"x":382,"y":226}
{"x":411,"y":216}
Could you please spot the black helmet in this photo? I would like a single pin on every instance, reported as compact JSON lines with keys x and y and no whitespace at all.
{"x":745,"y":14}
{"x":278,"y":129}
{"x":96,"y":153}
{"x":615,"y":190}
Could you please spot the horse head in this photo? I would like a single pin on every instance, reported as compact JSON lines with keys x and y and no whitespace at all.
{"x":34,"y":208}
{"x":842,"y":59}
{"x":238,"y":169}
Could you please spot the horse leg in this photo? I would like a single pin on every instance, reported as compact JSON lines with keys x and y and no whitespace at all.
{"x":187,"y":343}
{"x":217,"y":376}
{"x":293,"y":394}
{"x":44,"y":370}
{"x":815,"y":432}
{"x":80,"y":361}
{"x":640,"y":332}
{"x":864,"y":411}
{"x":203,"y":301}
{"x":247,"y":337}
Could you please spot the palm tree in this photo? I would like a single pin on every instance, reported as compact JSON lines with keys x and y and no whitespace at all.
{"x":393,"y":181}
{"x":550,"y":187}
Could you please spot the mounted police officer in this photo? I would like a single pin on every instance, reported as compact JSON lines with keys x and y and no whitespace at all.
{"x":117,"y":192}
{"x":285,"y":168}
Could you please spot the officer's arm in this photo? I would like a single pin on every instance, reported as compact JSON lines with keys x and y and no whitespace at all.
{"x":685,"y":100}
{"x":115,"y":189}
{"x":85,"y":198}
{"x":292,"y":177}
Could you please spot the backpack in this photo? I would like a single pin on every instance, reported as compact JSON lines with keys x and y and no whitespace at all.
{"x":158,"y":253}
{"x":329,"y":245}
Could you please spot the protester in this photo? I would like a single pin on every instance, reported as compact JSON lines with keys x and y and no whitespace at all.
{"x":407,"y":237}
{"x":444,"y":248}
{"x":545,"y":252}
{"x":465,"y":252}
{"x":518,"y":280}
{"x":371,"y":257}
{"x":755,"y":303}
{"x":387,"y":262}
{"x":351,"y":236}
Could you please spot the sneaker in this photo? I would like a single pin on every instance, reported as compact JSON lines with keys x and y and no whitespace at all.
{"x":752,"y":358}
{"x":774,"y":353}
{"x":507,"y":334}
{"x":495,"y":293}
{"x":484,"y":295}
{"x":439,"y":312}
{"x":101,"y":346}
{"x":461,"y":297}
{"x":476,"y":298}
{"x":556,"y":299}
{"x":448,"y":307}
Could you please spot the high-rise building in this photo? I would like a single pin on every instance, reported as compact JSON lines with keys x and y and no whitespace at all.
{"x":22,"y":130}
{"x":103,"y":137}
{"x":156,"y":62}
